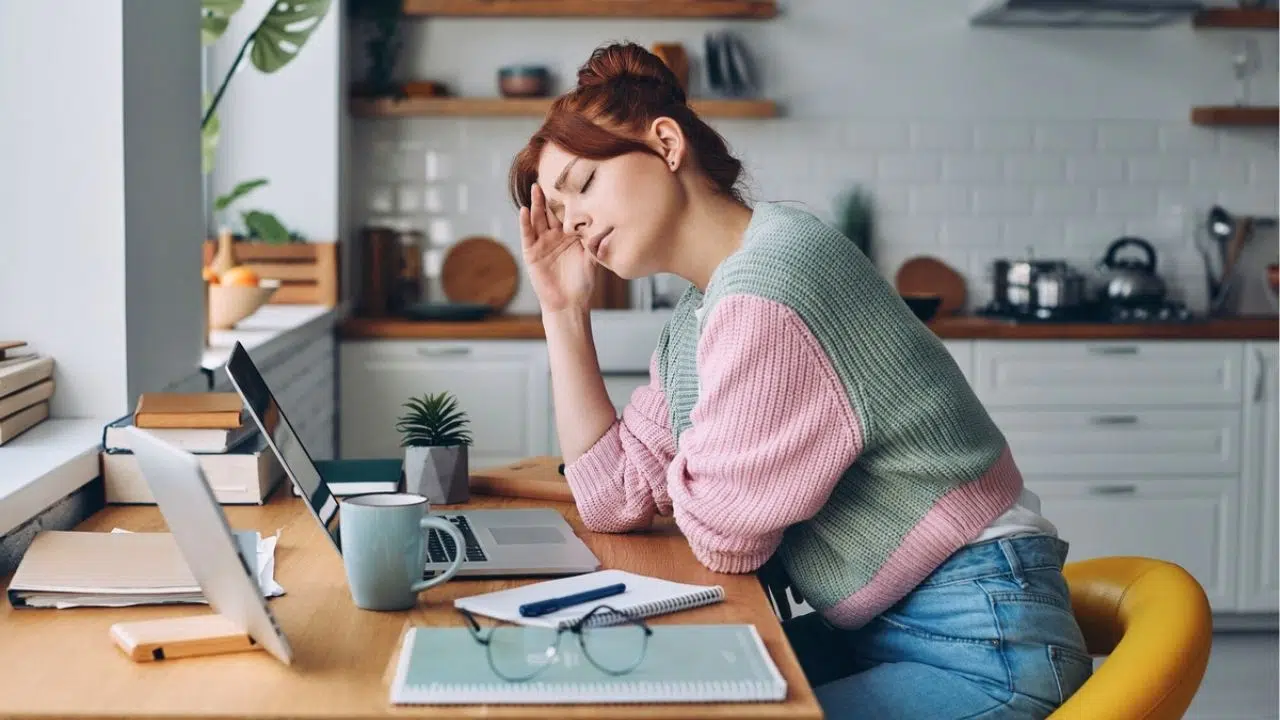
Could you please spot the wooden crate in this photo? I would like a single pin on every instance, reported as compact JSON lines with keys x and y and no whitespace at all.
{"x":307,"y":271}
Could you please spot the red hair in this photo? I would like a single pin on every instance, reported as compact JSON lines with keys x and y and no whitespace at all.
{"x":621,"y":90}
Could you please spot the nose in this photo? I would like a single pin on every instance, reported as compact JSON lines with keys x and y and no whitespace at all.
{"x":575,"y":221}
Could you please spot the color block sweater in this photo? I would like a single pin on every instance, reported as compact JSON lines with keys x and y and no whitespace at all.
{"x":798,"y":407}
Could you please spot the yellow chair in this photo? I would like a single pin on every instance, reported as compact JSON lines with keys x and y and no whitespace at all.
{"x":1152,"y":620}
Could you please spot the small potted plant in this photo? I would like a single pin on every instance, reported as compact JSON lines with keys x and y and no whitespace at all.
{"x":435,"y":436}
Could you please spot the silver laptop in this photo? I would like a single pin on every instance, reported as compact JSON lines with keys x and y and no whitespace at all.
{"x":519,"y":542}
{"x":202,"y":533}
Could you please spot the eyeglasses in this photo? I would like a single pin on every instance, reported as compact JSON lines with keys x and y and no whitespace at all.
{"x":612,"y":640}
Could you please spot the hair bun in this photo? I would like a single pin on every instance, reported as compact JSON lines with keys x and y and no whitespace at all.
{"x":629,"y":64}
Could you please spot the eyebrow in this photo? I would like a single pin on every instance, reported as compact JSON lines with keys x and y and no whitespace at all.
{"x":564,"y":174}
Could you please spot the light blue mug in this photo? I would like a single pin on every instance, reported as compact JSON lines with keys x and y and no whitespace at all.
{"x":384,"y":549}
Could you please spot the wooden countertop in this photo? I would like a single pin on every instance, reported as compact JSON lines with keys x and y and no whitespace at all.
{"x":529,"y":327}
{"x":62,"y":663}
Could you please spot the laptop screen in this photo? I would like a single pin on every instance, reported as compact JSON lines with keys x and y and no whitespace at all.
{"x":283,"y":440}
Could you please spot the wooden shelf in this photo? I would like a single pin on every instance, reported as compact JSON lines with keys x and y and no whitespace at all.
{"x":750,"y":9}
{"x":1238,"y":18}
{"x":1234,"y":115}
{"x":534,"y":107}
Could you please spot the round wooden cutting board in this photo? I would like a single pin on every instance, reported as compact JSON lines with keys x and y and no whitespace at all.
{"x":925,"y":275}
{"x":479,"y":269}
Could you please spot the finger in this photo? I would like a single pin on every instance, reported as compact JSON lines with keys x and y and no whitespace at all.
{"x":526,"y":228}
{"x":552,"y":221}
{"x":538,"y":212}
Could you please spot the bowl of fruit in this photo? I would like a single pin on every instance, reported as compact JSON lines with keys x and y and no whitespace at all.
{"x":236,"y":294}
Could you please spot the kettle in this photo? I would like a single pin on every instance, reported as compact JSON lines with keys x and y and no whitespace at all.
{"x":1131,"y":281}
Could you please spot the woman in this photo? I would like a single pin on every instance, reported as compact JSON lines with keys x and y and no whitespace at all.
{"x":797,"y":410}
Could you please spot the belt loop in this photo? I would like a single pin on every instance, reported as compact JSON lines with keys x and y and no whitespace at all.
{"x":1015,"y":566}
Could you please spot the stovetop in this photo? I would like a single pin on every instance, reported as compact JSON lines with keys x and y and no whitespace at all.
{"x":1164,"y":312}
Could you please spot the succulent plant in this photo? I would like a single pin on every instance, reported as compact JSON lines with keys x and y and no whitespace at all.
{"x":433,"y":421}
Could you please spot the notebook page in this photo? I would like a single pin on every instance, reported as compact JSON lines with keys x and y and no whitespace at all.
{"x":644,"y":596}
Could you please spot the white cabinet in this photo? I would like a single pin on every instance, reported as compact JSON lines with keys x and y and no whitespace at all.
{"x":1259,"y":538}
{"x":1190,"y":521}
{"x":1096,"y":374}
{"x":500,"y":384}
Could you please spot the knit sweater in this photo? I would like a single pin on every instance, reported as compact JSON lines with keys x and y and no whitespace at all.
{"x":798,"y":407}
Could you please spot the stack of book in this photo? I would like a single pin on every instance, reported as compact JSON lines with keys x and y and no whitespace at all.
{"x":235,"y":457}
{"x":26,"y":386}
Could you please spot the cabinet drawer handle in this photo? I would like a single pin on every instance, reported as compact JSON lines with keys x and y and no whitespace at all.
{"x":1113,"y":349}
{"x":1259,"y":382}
{"x":445,"y":352}
{"x":1113,"y":489}
{"x":1114,"y":420}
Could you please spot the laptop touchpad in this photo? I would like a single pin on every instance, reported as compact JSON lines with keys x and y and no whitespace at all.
{"x":532,"y":535}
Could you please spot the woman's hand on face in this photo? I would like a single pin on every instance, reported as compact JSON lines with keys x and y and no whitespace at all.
{"x":562,"y":273}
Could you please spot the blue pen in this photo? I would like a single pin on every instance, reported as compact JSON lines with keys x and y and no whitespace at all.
{"x":550,"y":605}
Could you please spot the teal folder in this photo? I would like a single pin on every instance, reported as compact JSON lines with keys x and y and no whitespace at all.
{"x":682,"y":664}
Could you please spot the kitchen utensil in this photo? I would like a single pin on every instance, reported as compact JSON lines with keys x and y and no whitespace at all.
{"x":1221,"y":226}
{"x":930,"y":276}
{"x":674,"y":57}
{"x":524,"y":81}
{"x":1034,"y":288}
{"x":479,"y":269}
{"x":924,"y":306}
{"x":229,"y":304}
{"x":447,"y":312}
{"x":1128,"y":281}
{"x":1243,"y":229}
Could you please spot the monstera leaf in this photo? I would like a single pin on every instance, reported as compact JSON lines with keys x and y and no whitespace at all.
{"x":284,"y":31}
{"x":214,"y":17}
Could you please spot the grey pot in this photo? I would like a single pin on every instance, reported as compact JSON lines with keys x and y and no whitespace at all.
{"x":439,"y":473}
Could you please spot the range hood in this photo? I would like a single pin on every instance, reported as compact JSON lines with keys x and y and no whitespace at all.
{"x":1082,"y":13}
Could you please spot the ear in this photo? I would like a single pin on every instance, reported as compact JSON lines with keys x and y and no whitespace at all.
{"x":670,"y":141}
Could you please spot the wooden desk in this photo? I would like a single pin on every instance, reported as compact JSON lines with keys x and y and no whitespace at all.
{"x":62,"y":663}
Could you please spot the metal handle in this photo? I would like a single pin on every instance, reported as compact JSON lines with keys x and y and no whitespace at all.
{"x":1113,"y":489}
{"x":1260,"y":382}
{"x":1114,"y":420}
{"x":453,"y":351}
{"x":1114,"y":349}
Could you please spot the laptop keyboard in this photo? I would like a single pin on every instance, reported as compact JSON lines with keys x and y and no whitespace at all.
{"x":441,"y":548}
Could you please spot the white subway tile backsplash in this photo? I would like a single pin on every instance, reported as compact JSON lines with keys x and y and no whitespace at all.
{"x":941,"y":136}
{"x":940,"y":200}
{"x":1127,"y":136}
{"x":973,"y":168}
{"x":912,"y":167}
{"x":1068,"y":200}
{"x":965,"y":191}
{"x":1066,"y":137}
{"x":970,"y":232}
{"x":1041,"y":168}
{"x":1129,"y":201}
{"x":1159,"y":169}
{"x":1095,"y":169}
{"x":1002,"y":200}
{"x":1219,"y":171}
{"x":883,"y":136}
{"x":1004,"y":137}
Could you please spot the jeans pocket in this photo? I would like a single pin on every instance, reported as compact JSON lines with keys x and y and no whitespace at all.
{"x":1071,"y":668}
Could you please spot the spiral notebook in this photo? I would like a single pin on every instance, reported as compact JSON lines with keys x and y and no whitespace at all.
{"x":644,"y":596}
{"x":679,"y":664}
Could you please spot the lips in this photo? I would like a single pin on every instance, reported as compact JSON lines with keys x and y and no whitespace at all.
{"x":596,"y":244}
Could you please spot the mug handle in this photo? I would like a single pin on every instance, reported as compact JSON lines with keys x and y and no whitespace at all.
{"x":459,"y":543}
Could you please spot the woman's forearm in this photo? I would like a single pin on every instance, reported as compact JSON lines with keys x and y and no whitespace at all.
{"x":582,"y":407}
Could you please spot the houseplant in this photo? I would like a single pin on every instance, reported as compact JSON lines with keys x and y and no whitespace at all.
{"x":277,"y":39}
{"x":434,"y":433}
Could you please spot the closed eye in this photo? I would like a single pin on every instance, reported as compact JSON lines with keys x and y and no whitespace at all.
{"x":587,"y":184}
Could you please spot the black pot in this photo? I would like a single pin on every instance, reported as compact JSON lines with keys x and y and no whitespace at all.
{"x":1131,"y":281}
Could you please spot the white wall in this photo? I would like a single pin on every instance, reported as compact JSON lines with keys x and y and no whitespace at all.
{"x":100,"y":196}
{"x":977,"y":142}
{"x":283,"y":126}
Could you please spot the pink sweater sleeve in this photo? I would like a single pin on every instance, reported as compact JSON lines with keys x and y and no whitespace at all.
{"x":620,"y":483}
{"x":772,"y":432}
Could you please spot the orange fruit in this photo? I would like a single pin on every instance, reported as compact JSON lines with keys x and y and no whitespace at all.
{"x":209,"y":275}
{"x":241,"y":275}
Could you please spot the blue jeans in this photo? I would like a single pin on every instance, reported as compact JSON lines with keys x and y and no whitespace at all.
{"x":989,"y":634}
